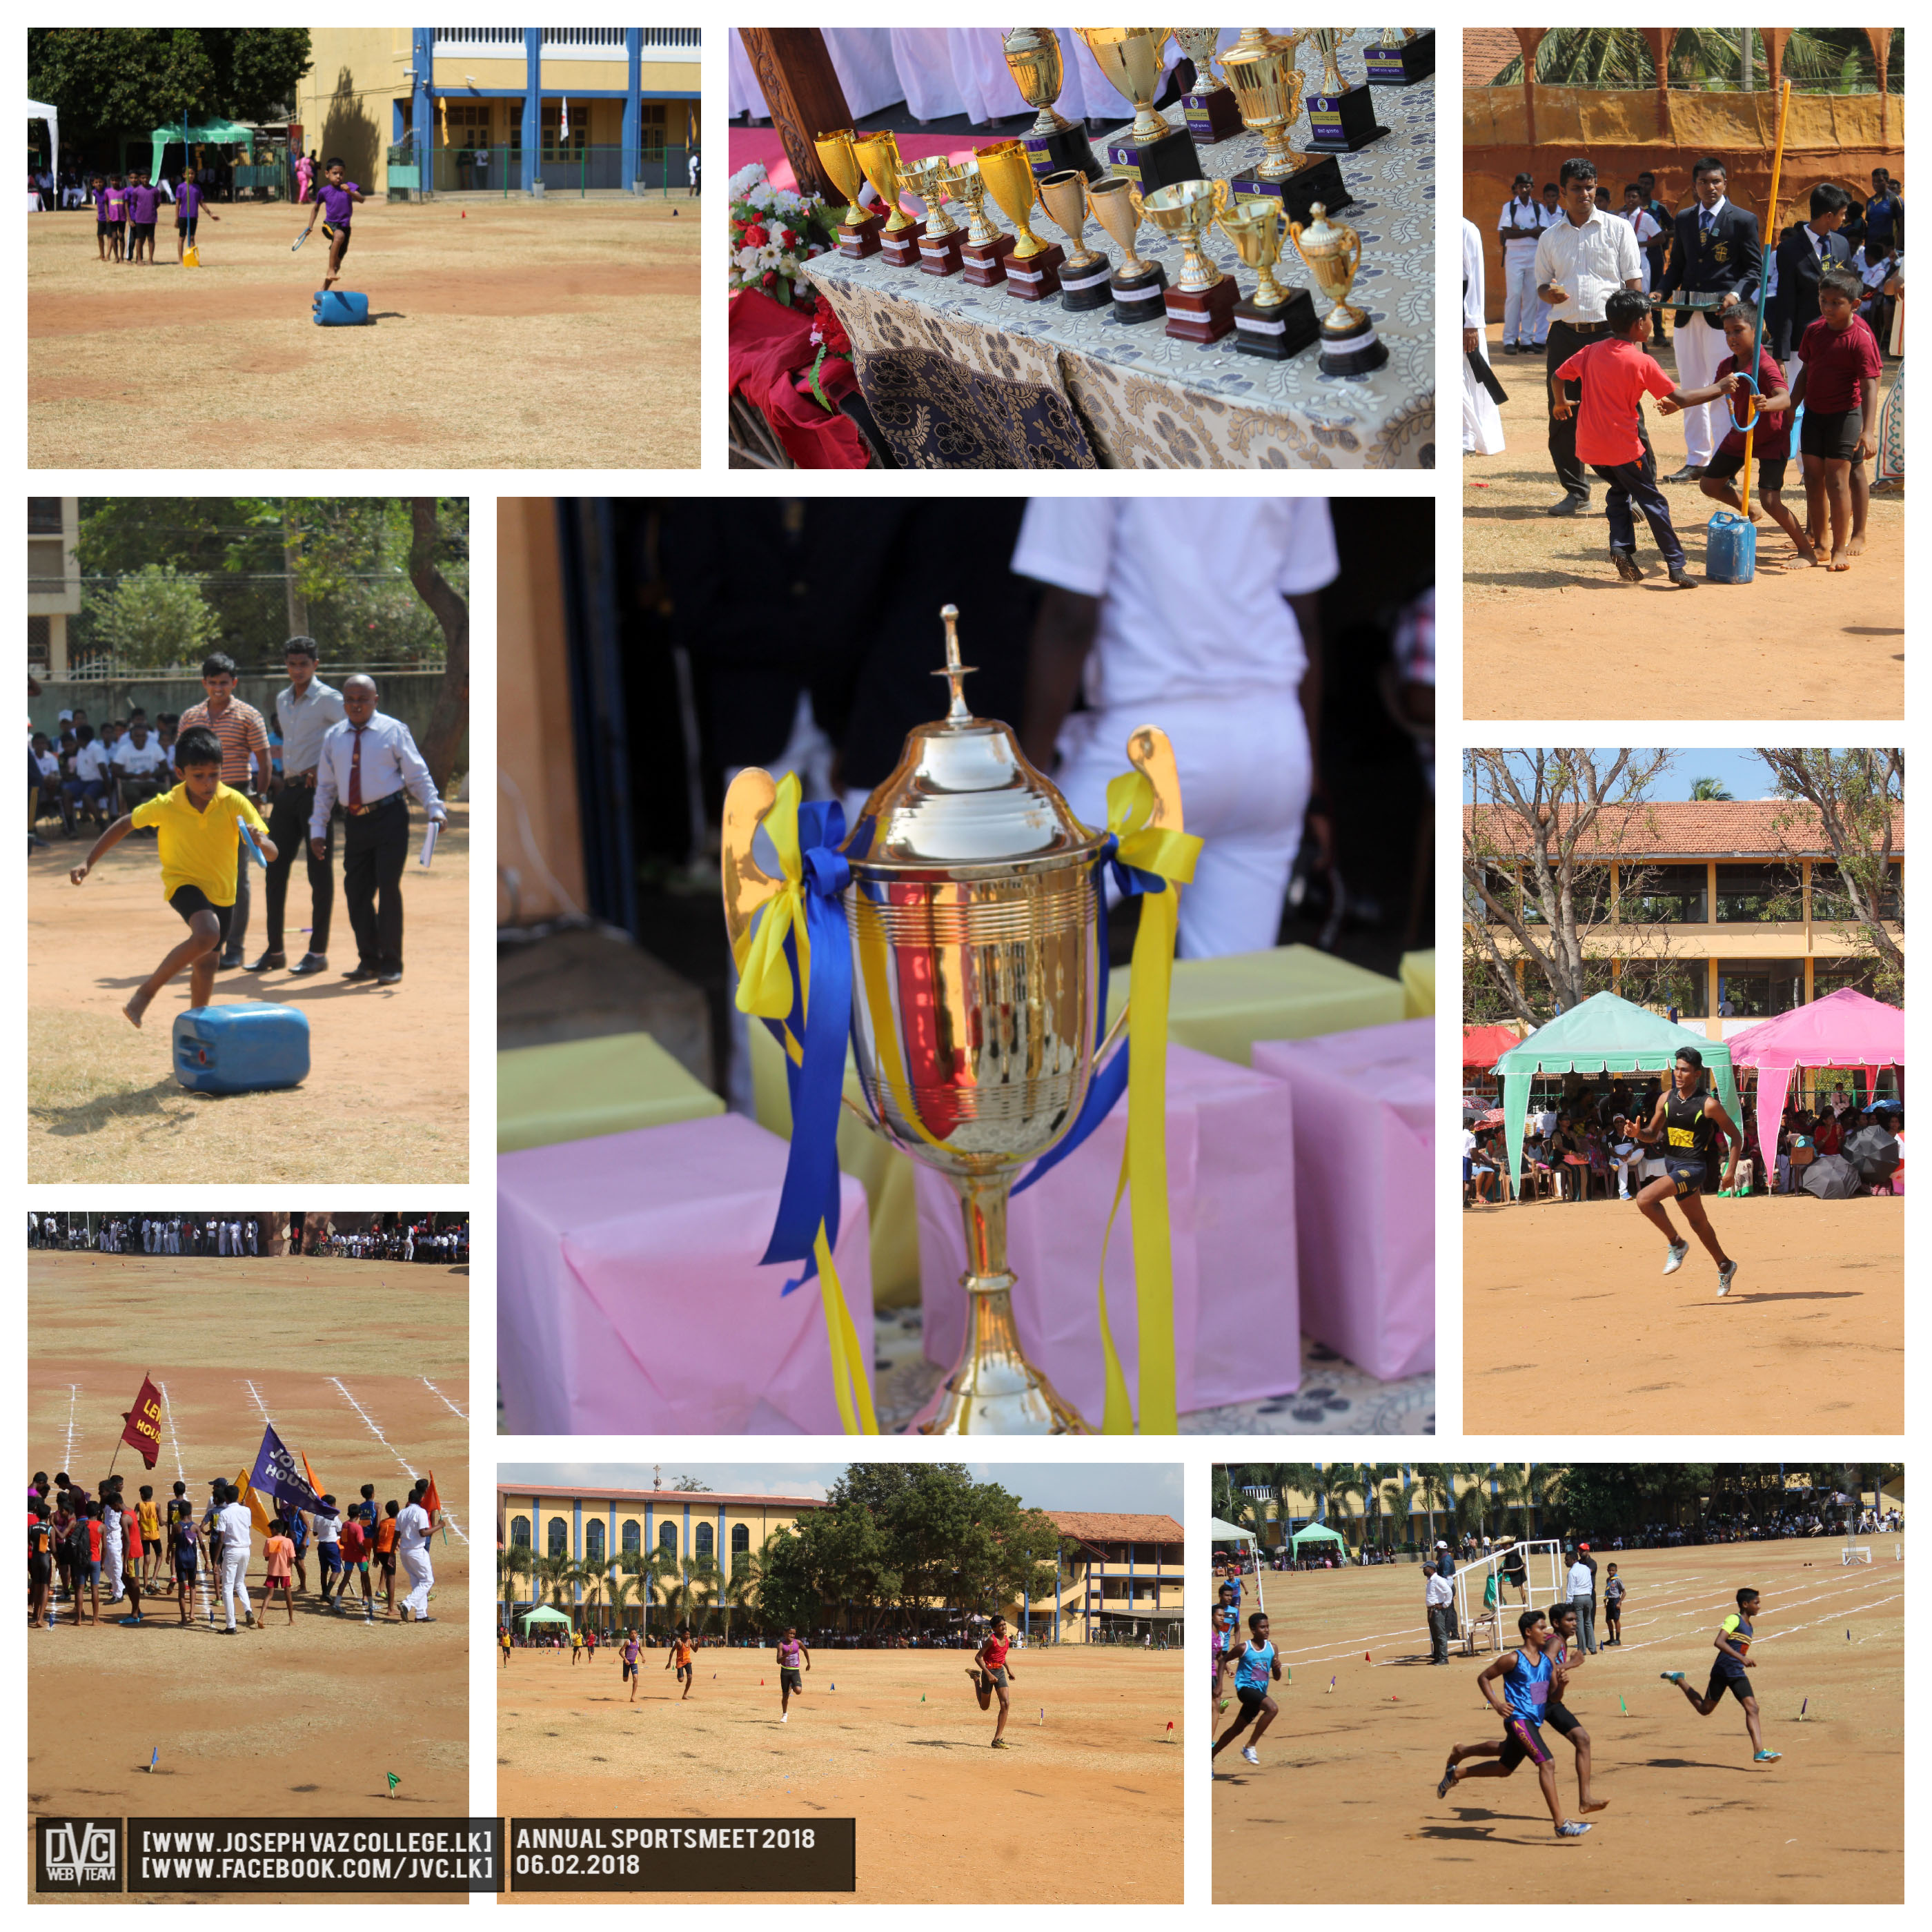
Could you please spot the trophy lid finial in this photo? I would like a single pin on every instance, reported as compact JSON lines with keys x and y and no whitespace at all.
{"x":955,"y":671}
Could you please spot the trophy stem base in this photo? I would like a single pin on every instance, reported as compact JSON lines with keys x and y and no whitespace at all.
{"x":1339,"y":123}
{"x":858,"y":238}
{"x":986,"y":262}
{"x":1202,"y":315}
{"x":1164,"y":163}
{"x":1404,"y":63}
{"x":940,"y":255}
{"x":995,"y":1391}
{"x":1357,"y":353}
{"x":1212,"y":117}
{"x":1299,"y":192}
{"x":1086,"y":282}
{"x":1137,"y":298}
{"x":902,"y":250}
{"x":1279,"y":330}
{"x":1034,"y":277}
{"x":1067,"y":147}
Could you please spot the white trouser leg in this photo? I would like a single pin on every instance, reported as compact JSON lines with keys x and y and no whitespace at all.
{"x":111,"y":1568}
{"x":234,"y":1582}
{"x":1520,"y":301}
{"x":415,"y":1563}
{"x":1700,"y":348}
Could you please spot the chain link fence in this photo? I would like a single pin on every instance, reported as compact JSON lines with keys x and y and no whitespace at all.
{"x":576,"y":172}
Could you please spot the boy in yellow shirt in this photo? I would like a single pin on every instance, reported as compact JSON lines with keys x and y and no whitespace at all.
{"x":195,"y":823}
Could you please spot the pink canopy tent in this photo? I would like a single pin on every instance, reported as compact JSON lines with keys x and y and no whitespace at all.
{"x":1844,"y":1029}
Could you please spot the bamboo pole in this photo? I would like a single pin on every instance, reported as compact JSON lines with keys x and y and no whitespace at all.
{"x":1770,"y":241}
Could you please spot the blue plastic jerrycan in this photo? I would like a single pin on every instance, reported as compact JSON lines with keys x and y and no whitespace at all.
{"x":1730,"y":553}
{"x":240,"y":1048}
{"x":340,"y":308}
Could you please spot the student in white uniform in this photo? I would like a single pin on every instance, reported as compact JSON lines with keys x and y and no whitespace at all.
{"x":1521,"y":225}
{"x":1482,"y":420}
{"x":412,"y":1528}
{"x":1197,"y":615}
{"x":237,"y":1527}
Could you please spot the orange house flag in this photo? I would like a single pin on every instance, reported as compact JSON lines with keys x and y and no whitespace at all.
{"x":431,"y":1501}
{"x":142,"y":1428}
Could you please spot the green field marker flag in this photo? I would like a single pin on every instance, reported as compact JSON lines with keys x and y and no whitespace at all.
{"x":393,"y":1781}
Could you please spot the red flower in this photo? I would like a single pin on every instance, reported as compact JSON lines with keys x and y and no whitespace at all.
{"x":755,"y":236}
{"x":785,"y":238}
{"x":827,"y":329}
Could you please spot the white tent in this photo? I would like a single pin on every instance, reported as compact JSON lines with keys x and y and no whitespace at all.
{"x":1218,"y":1532}
{"x":38,"y":110}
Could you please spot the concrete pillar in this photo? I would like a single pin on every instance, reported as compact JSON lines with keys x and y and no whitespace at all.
{"x":422,"y":110}
{"x":532,"y":104}
{"x":633,"y":85}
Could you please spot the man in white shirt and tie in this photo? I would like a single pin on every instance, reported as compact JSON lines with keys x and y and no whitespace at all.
{"x":370,"y":764}
{"x":236,"y":1527}
{"x":305,"y":713}
{"x":1438,"y":1598}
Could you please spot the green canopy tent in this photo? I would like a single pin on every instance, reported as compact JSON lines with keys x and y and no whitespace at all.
{"x":1319,"y":1532}
{"x":210,"y":133}
{"x":1604,"y":1035}
{"x":1218,"y":1532}
{"x":544,"y":1614}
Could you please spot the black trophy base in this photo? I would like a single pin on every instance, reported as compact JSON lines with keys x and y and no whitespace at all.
{"x":1138,"y":298}
{"x":1161,"y":163}
{"x":1212,"y":117}
{"x":1354,"y":354}
{"x":1339,"y":123}
{"x":1321,"y":182}
{"x":1202,"y":315}
{"x":939,"y":254}
{"x":1068,"y":148}
{"x":1279,"y":331}
{"x":1403,"y":63}
{"x":902,"y":250}
{"x":1086,"y":282}
{"x":858,"y":238}
{"x":1034,"y":277}
{"x":986,"y":261}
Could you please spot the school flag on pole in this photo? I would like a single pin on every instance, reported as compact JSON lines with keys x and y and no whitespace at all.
{"x":431,"y":1501}
{"x":276,"y":1475}
{"x":563,"y":119}
{"x":246,"y":1491}
{"x":142,"y":1424}
{"x":315,"y":1482}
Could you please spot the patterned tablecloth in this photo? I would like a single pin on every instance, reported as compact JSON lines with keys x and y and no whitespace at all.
{"x":959,"y":377}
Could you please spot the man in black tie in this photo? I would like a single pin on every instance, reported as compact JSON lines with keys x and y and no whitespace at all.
{"x":1715,"y":252}
{"x":1805,"y":250}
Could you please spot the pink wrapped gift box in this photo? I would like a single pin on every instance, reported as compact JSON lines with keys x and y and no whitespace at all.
{"x":1365,"y":1225}
{"x":1231,"y":1193}
{"x":629,"y":1295}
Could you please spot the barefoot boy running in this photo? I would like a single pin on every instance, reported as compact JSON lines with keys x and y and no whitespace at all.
{"x":196,"y":824}
{"x":1732,"y":1644}
{"x":991,"y":1674}
{"x":1690,"y":1122}
{"x":790,"y":1651}
{"x":337,"y":196}
{"x":1256,"y":1665}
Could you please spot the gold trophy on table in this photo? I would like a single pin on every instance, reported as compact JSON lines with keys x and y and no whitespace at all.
{"x":1341,"y":117}
{"x":1085,"y":275}
{"x":987,"y":246}
{"x":1053,"y":143}
{"x":1033,"y":268}
{"x":1151,"y":152}
{"x":1201,"y":304}
{"x":974,"y":933}
{"x":1211,"y":112}
{"x":1268,"y":86}
{"x":858,"y":232}
{"x":1275,"y":322}
{"x":1137,"y":285}
{"x":1402,"y":57}
{"x":940,"y":246}
{"x":878,"y":156}
{"x":1333,"y":251}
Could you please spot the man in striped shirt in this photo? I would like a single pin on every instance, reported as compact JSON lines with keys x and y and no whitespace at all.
{"x":244,"y":748}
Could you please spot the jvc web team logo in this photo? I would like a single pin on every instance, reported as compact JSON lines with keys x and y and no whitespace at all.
{"x":79,"y":1854}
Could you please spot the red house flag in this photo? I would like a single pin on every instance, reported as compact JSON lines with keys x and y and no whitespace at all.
{"x":431,"y":1502}
{"x":142,"y":1429}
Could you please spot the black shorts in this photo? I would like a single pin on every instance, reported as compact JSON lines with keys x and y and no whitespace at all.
{"x":189,"y":900}
{"x":40,"y":1569}
{"x":143,"y":230}
{"x":335,"y":234}
{"x":791,"y":1680}
{"x":1559,"y":1717}
{"x":1689,"y":1177}
{"x":1770,"y":468}
{"x":185,"y":1567}
{"x":684,"y":1674}
{"x":1739,"y":1686}
{"x":1522,"y":1740}
{"x":185,"y":224}
{"x":104,"y":227}
{"x":1252,"y":1698}
{"x":1835,"y":435}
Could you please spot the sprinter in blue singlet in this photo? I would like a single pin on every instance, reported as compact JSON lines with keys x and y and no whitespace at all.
{"x":1256,"y":1665}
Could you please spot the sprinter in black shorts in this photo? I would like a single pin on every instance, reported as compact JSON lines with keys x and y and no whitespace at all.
{"x":1688,"y":1123}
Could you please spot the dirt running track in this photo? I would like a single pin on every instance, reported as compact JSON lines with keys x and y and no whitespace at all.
{"x":1343,"y":1807}
{"x":1549,"y":630}
{"x":387,"y":1095}
{"x":1569,"y":1322}
{"x":1087,"y":1808}
{"x":507,"y":335}
{"x":279,"y":1721}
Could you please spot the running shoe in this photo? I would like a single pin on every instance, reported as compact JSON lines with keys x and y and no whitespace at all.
{"x":1252,"y":1756}
{"x":1726,"y":1275}
{"x":1678,"y":1249}
{"x":1442,"y":1789}
{"x":1767,"y":1757}
{"x":1671,"y":1676}
{"x":1000,"y":1744}
{"x":1574,"y":1828}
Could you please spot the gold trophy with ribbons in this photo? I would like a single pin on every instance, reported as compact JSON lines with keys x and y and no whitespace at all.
{"x":1136,"y":285}
{"x":1032,"y":268}
{"x":858,"y":232}
{"x":1333,"y":251}
{"x":878,"y":155}
{"x":1200,"y":306}
{"x":1276,"y":322}
{"x":967,"y":893}
{"x":1212,"y":113}
{"x":1053,"y":143}
{"x":1150,"y":152}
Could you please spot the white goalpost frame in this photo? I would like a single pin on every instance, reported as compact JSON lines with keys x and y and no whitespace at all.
{"x":1548,"y":1550}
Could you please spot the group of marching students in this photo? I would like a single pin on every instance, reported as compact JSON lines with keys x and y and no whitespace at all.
{"x":106,"y":1545}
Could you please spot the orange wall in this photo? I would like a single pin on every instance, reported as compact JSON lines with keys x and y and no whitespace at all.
{"x":533,"y":715}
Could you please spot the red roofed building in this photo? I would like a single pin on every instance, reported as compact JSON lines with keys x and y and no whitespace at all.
{"x":1119,"y":1576}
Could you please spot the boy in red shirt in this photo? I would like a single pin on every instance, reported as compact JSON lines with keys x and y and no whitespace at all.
{"x":1771,"y":438}
{"x":1838,"y":387}
{"x":1616,"y":375}
{"x":354,"y":1546}
{"x":991,"y":1674}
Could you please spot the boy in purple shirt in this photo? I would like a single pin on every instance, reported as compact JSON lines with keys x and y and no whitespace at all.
{"x":104,"y":228}
{"x":143,"y":197}
{"x":337,"y":197}
{"x":117,"y":214}
{"x":188,"y":210}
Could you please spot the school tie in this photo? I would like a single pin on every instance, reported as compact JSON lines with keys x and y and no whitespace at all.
{"x":355,"y":769}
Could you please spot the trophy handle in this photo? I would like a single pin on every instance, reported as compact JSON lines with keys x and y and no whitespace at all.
{"x":1134,"y":201}
{"x":1353,"y":255}
{"x":1150,"y":754}
{"x":748,"y":886}
{"x":1221,"y":192}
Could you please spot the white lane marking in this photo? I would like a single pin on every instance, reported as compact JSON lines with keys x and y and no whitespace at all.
{"x":181,"y":1471}
{"x":368,"y":1422}
{"x":73,"y":1398}
{"x":444,"y":1400}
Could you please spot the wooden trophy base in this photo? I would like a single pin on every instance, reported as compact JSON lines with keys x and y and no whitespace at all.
{"x":939,"y":254}
{"x":1320,"y":181}
{"x":1202,"y":315}
{"x":1161,"y":163}
{"x":986,"y":261}
{"x":902,"y":250}
{"x":1355,"y":354}
{"x":859,"y":237}
{"x":1086,"y":283}
{"x":1279,"y":331}
{"x":1138,"y":298}
{"x":1339,"y":123}
{"x":1404,"y":63}
{"x":1055,"y":153}
{"x":1212,"y":117}
{"x":1034,"y":277}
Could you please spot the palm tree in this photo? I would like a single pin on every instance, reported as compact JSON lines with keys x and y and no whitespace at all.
{"x":737,"y":1589}
{"x":1817,"y":60}
{"x":623,"y":1586}
{"x":1710,"y":789}
{"x":513,"y":1564}
{"x":1429,"y":1482}
{"x":588,"y":1581}
{"x":554,"y":1575}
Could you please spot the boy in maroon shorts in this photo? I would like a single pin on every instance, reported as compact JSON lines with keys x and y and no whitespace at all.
{"x":1838,"y":388}
{"x":1771,"y":437}
{"x":281,"y":1550}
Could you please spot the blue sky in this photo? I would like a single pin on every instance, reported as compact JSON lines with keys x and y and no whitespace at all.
{"x":1743,"y":775}
{"x":1148,"y":1488}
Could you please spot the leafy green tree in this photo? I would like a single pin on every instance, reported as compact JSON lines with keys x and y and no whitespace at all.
{"x":156,"y":619}
{"x":108,"y":80}
{"x":1708,"y":789}
{"x":690,"y":1485}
